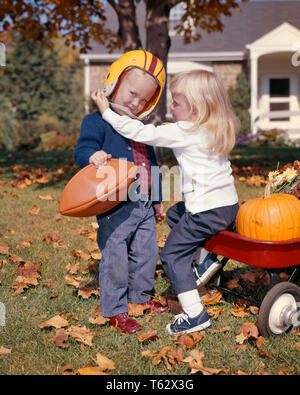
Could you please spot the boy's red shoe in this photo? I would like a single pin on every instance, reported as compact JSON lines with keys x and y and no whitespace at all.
{"x":125,"y":323}
{"x":156,"y":307}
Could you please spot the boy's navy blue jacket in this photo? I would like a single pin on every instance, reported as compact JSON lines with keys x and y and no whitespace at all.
{"x":97,"y":134}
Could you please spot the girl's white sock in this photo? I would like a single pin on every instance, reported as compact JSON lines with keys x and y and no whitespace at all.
{"x":191,"y":302}
{"x":200,"y":255}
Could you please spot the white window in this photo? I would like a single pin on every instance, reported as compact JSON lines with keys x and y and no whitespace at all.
{"x":279,"y":100}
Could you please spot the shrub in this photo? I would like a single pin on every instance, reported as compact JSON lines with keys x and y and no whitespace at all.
{"x":239,"y":97}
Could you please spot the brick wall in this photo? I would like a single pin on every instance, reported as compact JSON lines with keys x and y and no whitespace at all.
{"x":228,"y":72}
{"x":97,"y":75}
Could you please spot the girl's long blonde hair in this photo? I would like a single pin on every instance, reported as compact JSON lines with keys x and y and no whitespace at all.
{"x":210,"y":107}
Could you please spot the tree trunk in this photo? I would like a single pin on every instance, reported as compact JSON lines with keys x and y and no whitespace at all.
{"x":128,"y":28}
{"x":158,"y":42}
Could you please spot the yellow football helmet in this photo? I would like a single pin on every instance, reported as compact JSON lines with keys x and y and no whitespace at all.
{"x":143,"y":60}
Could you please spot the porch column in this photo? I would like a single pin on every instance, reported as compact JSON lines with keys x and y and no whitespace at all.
{"x":86,"y":85}
{"x":254,"y":92}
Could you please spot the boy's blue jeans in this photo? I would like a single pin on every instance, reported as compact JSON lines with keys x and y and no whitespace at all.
{"x":128,"y":243}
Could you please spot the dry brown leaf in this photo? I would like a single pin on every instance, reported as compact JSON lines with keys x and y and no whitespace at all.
{"x":151,"y":334}
{"x":81,"y":334}
{"x":189,"y":340}
{"x":255,"y":278}
{"x":60,"y":338}
{"x":34,"y":210}
{"x":195,"y":361}
{"x":86,"y":291}
{"x":240,"y":311}
{"x":15,"y":258}
{"x":57,"y":217}
{"x":92,"y":236}
{"x":104,"y":363}
{"x":136,"y":310}
{"x":28,"y":276}
{"x":45,"y":197}
{"x":66,"y":370}
{"x":80,"y":254}
{"x":4,"y":248}
{"x":225,"y":329}
{"x":73,"y":269}
{"x":91,"y":371}
{"x":159,"y":356}
{"x":234,"y":284}
{"x":213,"y":298}
{"x":96,"y":255}
{"x":5,"y":350}
{"x":58,"y":321}
{"x":76,"y":282}
{"x":214,"y":312}
{"x":247,"y":331}
{"x":162,"y":241}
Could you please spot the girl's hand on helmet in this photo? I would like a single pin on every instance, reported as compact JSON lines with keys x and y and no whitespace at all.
{"x":100,"y":99}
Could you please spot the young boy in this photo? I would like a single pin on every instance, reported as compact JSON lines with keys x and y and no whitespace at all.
{"x":127,"y":234}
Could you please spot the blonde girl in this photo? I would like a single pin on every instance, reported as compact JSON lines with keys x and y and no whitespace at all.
{"x":201,"y":136}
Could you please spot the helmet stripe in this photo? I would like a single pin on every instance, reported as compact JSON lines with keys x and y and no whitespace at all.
{"x":152,"y":64}
{"x":162,"y":67}
{"x":145,"y":60}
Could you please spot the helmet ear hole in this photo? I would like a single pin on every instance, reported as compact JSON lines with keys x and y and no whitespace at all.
{"x":107,"y":76}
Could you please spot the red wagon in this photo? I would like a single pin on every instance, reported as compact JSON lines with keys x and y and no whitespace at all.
{"x":280,"y":309}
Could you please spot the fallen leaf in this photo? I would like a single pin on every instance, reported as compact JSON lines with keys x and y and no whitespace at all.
{"x":234,"y":284}
{"x":136,"y":310}
{"x":214,"y":312}
{"x":240,"y":311}
{"x":80,"y":254}
{"x":104,"y":363}
{"x":225,"y":329}
{"x":81,"y":334}
{"x":60,"y":338}
{"x":195,"y":361}
{"x":4,"y":248}
{"x":189,"y":340}
{"x":212,"y":298}
{"x":151,"y":334}
{"x":66,"y":370}
{"x":45,"y":197}
{"x":98,"y":318}
{"x":159,"y":356}
{"x":86,"y":291}
{"x":34,"y":210}
{"x":57,"y":217}
{"x":58,"y":321}
{"x":5,"y":350}
{"x":76,"y":282}
{"x":247,"y":331}
{"x":91,"y":371}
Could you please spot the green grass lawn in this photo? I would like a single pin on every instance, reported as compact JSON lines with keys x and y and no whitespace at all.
{"x":38,"y":236}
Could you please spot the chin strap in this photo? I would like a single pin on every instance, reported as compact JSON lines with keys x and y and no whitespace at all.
{"x":127,"y":111}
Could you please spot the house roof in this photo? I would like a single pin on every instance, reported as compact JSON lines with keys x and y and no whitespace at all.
{"x":251,"y":21}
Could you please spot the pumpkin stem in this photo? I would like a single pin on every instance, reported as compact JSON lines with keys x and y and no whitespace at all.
{"x":267,"y":192}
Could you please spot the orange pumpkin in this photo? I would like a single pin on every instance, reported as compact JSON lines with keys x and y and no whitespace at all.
{"x":272,"y":217}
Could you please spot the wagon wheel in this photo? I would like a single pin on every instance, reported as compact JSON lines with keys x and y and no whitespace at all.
{"x":280,"y":310}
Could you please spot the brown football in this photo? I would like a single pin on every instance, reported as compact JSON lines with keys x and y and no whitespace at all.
{"x":95,"y":191}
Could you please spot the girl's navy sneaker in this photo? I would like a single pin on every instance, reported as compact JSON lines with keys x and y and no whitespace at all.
{"x":185,"y":324}
{"x":206,"y":269}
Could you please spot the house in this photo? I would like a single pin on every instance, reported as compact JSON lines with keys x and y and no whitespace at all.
{"x":261,"y":38}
